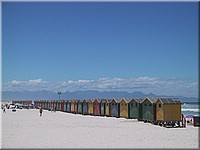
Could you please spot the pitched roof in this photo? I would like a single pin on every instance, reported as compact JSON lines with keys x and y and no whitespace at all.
{"x":108,"y":100}
{"x":127,"y":100}
{"x":98,"y":100}
{"x":169,"y":100}
{"x":138,"y":100}
{"x":90,"y":100}
{"x":103,"y":100}
{"x":117,"y":100}
{"x":152,"y":100}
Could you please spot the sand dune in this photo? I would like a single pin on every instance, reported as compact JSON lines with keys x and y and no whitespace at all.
{"x":26,"y":129}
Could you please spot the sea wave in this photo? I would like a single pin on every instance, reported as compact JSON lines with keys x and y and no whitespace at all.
{"x":190,"y":110}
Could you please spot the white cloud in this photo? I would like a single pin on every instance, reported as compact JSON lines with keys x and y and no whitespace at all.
{"x":16,"y":85}
{"x":154,"y":85}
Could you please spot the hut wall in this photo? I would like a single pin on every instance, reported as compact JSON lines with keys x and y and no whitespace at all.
{"x":90,"y":108}
{"x":80,"y":107}
{"x":65,"y":106}
{"x":75,"y":107}
{"x":123,"y":109}
{"x":114,"y":109}
{"x":108,"y":109}
{"x":103,"y":109}
{"x":43,"y":104}
{"x":62,"y":105}
{"x":147,"y":111}
{"x":72,"y":107}
{"x":134,"y":110}
{"x":159,"y":111}
{"x":172,"y":112}
{"x":96,"y":108}
{"x":85,"y":107}
{"x":68,"y":106}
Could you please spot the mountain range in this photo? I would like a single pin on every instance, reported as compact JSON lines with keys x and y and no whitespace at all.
{"x":48,"y":95}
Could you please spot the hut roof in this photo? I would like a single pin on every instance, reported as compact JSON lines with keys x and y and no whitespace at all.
{"x":127,"y":100}
{"x":169,"y":100}
{"x":79,"y":101}
{"x":139,"y":100}
{"x":117,"y":100}
{"x":98,"y":100}
{"x":152,"y":100}
{"x":108,"y":100}
{"x":103,"y":100}
{"x":90,"y":100}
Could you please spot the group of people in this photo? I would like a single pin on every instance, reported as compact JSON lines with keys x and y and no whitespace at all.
{"x":40,"y":110}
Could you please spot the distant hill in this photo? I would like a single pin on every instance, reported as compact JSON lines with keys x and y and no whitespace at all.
{"x":48,"y":95}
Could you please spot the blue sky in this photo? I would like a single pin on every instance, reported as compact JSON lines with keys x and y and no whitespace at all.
{"x":132,"y":46}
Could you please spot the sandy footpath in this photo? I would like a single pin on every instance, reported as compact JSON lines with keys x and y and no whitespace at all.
{"x":26,"y":129}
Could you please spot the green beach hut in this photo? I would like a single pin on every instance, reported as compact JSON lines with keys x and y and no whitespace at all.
{"x":148,"y":109}
{"x":134,"y":105}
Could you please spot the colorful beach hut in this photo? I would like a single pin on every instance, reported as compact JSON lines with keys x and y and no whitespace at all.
{"x":108,"y":110}
{"x":134,"y":105}
{"x":148,"y":109}
{"x":72,"y":102}
{"x":43,"y":104}
{"x":80,"y":106}
{"x":124,"y":108}
{"x":97,"y":107}
{"x":103,"y":107}
{"x":47,"y":104}
{"x":168,"y":110}
{"x":55,"y":105}
{"x":115,"y":107}
{"x":76,"y":106}
{"x":90,"y":107}
{"x":62,"y":105}
{"x":85,"y":107}
{"x":68,"y":106}
{"x":52,"y":105}
{"x":36,"y":103}
{"x":65,"y":105}
{"x":59,"y":105}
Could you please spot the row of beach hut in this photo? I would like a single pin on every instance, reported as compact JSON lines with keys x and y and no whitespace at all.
{"x":158,"y":111}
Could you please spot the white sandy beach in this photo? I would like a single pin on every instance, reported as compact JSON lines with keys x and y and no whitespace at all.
{"x":26,"y":129}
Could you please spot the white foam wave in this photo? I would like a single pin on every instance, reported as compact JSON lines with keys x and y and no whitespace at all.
{"x":192,"y":110}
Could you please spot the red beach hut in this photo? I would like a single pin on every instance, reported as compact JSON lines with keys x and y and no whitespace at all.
{"x":97,"y":107}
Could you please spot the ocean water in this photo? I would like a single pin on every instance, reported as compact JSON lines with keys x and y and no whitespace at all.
{"x":190,"y":108}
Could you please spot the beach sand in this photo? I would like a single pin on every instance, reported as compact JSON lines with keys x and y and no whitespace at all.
{"x":26,"y":129}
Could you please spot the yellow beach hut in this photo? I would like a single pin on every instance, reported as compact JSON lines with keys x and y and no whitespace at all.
{"x":72,"y":102}
{"x":90,"y":107}
{"x":108,"y":112}
{"x":124,"y":107}
{"x":168,"y":111}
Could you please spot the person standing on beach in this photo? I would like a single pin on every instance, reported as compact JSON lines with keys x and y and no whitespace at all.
{"x":41,"y":112}
{"x":4,"y":109}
